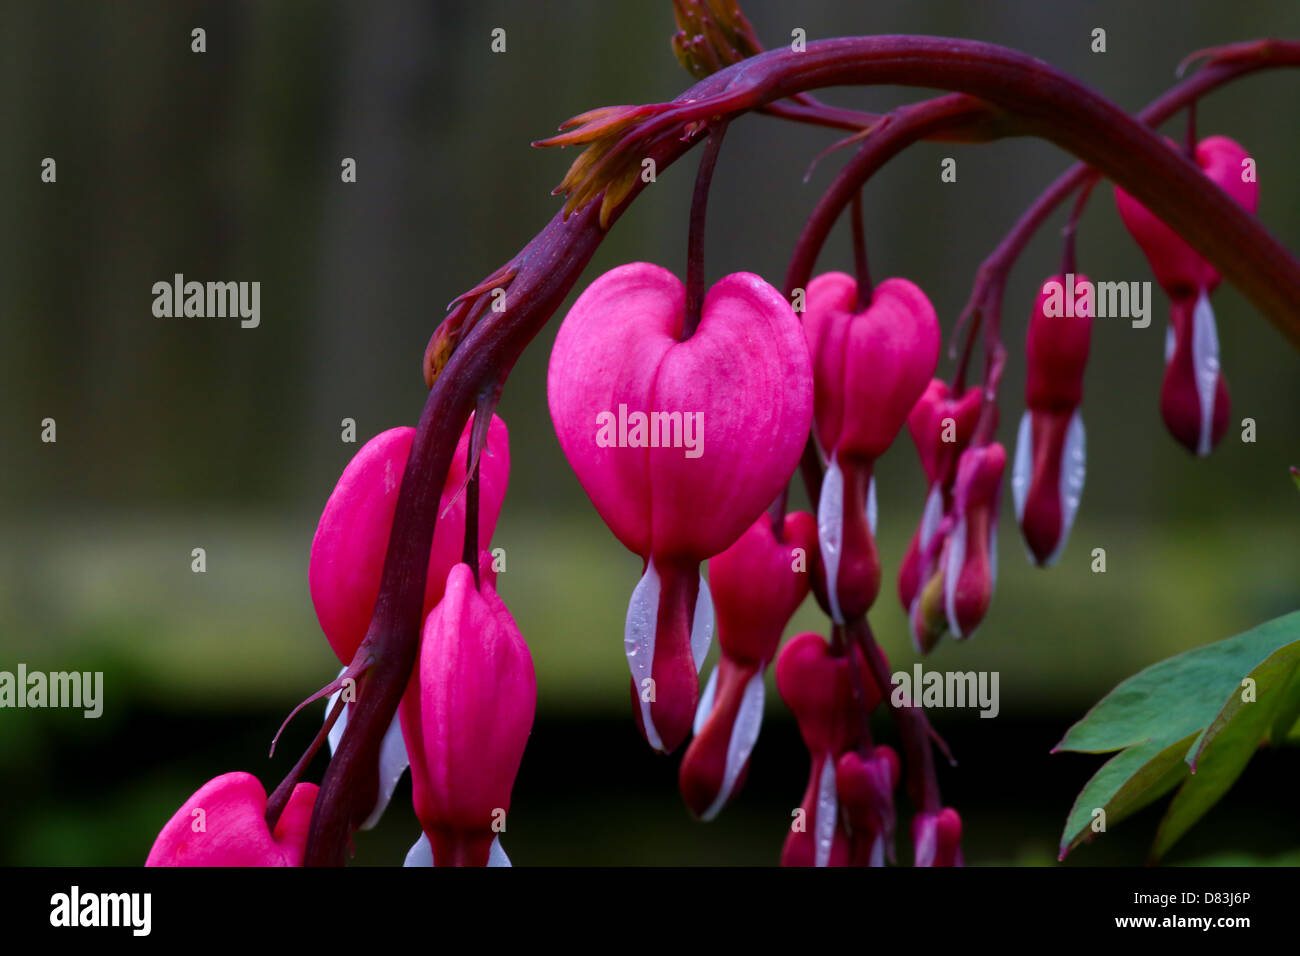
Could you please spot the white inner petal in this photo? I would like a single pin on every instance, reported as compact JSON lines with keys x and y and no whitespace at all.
{"x":930,"y":518}
{"x":871,"y":505}
{"x":705,"y":706}
{"x":830,"y":532}
{"x":497,"y":856}
{"x":878,"y":851}
{"x":393,"y":759}
{"x":1205,"y":364}
{"x":421,"y":854}
{"x":744,"y":734}
{"x":1022,"y":471}
{"x":827,"y":812}
{"x":926,"y":846}
{"x":1073,"y":468}
{"x":951,"y":573}
{"x":702,"y":625}
{"x":639,"y":643}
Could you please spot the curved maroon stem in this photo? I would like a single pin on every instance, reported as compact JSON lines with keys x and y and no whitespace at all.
{"x":695,"y":237}
{"x":1230,"y":64}
{"x":1034,"y":98}
{"x":894,"y":133}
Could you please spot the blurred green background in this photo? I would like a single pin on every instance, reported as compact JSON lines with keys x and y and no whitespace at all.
{"x":175,"y":434}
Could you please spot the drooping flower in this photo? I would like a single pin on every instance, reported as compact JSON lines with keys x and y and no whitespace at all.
{"x":937,"y":838}
{"x":1047,"y":477}
{"x":870,"y":367}
{"x":680,"y":445}
{"x":1194,"y":396}
{"x":757,"y":584}
{"x":224,"y":824}
{"x":351,"y":541}
{"x":818,"y":687}
{"x":466,"y":717}
{"x":347,"y":552}
{"x":941,"y":427}
{"x":957,"y":596}
{"x":865,"y":786}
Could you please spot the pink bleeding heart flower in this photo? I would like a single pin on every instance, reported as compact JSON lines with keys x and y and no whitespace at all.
{"x":958,"y":595}
{"x":865,"y":785}
{"x":971,"y":570}
{"x":224,"y":824}
{"x":1047,"y":477}
{"x":937,"y":838}
{"x":817,"y":686}
{"x":633,"y":405}
{"x":870,"y":366}
{"x":1194,"y":398}
{"x":466,"y":718}
{"x":347,"y":553}
{"x":757,"y":584}
{"x":941,"y":427}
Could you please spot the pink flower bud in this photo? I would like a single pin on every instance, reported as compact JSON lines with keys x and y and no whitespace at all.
{"x":757,"y":584}
{"x":466,"y":718}
{"x":970,"y":561}
{"x":1181,"y":271}
{"x":869,"y":369}
{"x":941,"y":428}
{"x":817,"y":686}
{"x":224,"y":824}
{"x":347,"y":553}
{"x":1194,"y":398}
{"x":1047,"y":478}
{"x":865,"y":786}
{"x":937,"y":838}
{"x":680,"y":445}
{"x":869,"y":366}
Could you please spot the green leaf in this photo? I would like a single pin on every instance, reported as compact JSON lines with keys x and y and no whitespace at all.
{"x":1179,"y":695}
{"x":1286,"y":725}
{"x":1227,"y":745}
{"x":1124,"y":785}
{"x":1184,"y":721}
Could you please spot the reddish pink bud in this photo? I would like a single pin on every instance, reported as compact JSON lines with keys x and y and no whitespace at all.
{"x":870,"y":367}
{"x":970,"y":560}
{"x":466,"y":718}
{"x":680,"y":445}
{"x":941,"y":428}
{"x":1181,"y":271}
{"x":937,"y":838}
{"x":757,"y":584}
{"x":818,"y":687}
{"x":347,"y":553}
{"x":224,"y":824}
{"x":1047,"y":478}
{"x":865,"y":786}
{"x":1194,"y":397}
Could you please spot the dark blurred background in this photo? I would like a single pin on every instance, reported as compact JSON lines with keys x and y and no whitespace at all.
{"x":183,"y":433}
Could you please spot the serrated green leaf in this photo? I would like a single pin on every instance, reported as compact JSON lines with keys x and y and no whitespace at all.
{"x":1179,"y":695}
{"x":1124,"y":785}
{"x":1287,"y":720}
{"x":1228,"y":743}
{"x":1184,"y":712}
